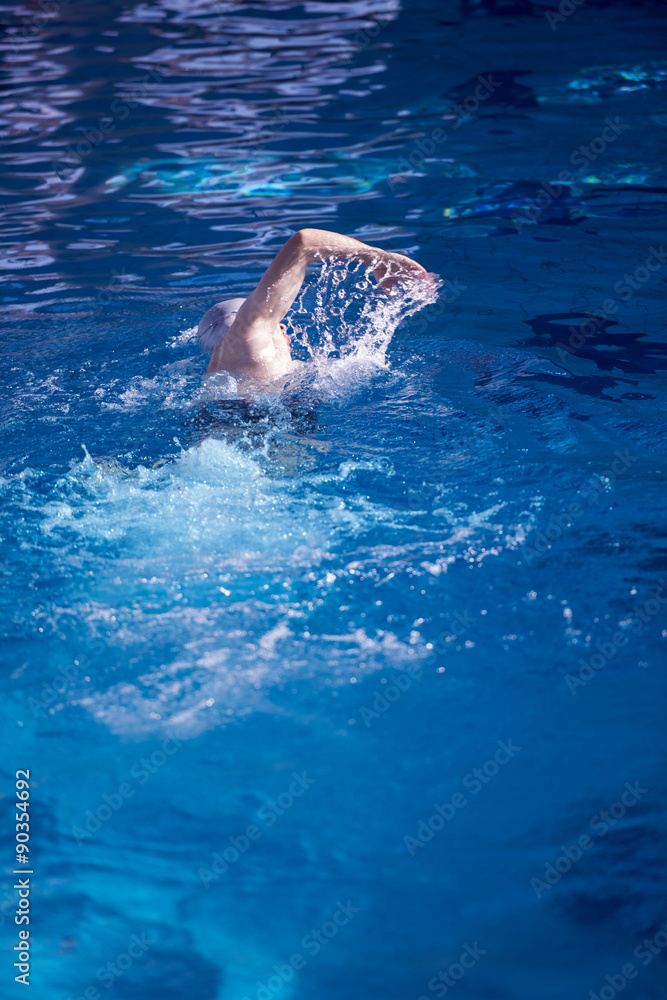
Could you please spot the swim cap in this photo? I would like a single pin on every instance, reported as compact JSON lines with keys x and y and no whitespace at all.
{"x":214,"y":324}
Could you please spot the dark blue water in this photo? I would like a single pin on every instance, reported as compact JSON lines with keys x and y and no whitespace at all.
{"x":358,"y":692}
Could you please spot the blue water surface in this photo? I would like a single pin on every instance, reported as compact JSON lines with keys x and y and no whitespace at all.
{"x":356,"y":690}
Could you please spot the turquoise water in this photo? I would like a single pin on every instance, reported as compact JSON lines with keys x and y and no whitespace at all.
{"x":356,"y":690}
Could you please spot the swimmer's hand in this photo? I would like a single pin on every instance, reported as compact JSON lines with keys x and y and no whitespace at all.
{"x":396,"y":268}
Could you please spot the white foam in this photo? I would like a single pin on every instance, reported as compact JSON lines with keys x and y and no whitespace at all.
{"x":192,"y":569}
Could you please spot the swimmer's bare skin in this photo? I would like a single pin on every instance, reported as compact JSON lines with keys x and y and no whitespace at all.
{"x":256,"y":344}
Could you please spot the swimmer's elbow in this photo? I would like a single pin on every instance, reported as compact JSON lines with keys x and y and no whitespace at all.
{"x":309,"y":241}
{"x":306,"y":237}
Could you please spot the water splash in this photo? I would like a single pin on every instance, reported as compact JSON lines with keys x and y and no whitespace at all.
{"x":348,"y":317}
{"x":212,"y":549}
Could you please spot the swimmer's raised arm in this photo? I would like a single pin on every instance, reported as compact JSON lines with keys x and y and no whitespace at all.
{"x":256,"y":343}
{"x":283,"y":278}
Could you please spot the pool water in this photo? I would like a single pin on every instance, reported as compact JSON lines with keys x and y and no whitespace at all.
{"x":355,"y":690}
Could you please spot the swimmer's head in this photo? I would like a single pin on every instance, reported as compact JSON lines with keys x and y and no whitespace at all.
{"x":215,"y":323}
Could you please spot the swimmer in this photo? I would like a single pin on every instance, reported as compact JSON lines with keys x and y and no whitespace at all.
{"x":246,"y":336}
